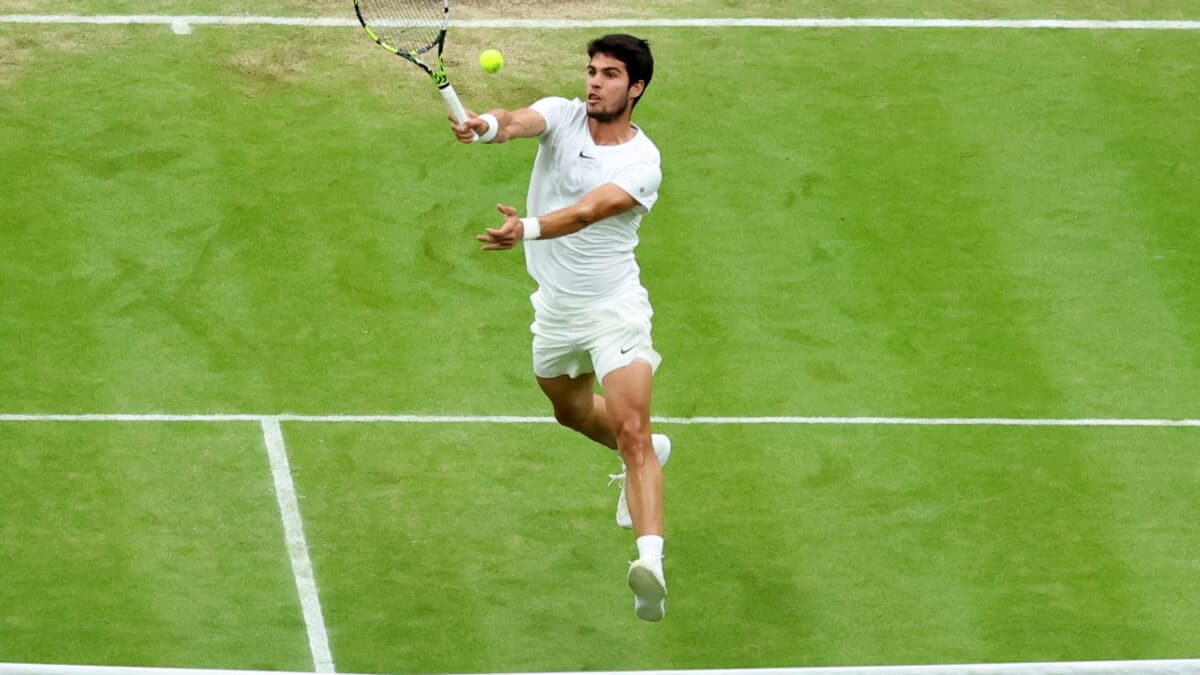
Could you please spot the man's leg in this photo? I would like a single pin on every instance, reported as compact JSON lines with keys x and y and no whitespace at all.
{"x":576,"y":406}
{"x":627,"y":392}
{"x":621,"y":420}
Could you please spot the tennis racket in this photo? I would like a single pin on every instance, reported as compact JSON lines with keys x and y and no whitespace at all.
{"x":412,"y":29}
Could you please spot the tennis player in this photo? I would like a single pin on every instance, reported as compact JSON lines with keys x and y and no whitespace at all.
{"x":595,"y":176}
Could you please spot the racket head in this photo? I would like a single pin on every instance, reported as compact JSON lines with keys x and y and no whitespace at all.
{"x":407,"y":28}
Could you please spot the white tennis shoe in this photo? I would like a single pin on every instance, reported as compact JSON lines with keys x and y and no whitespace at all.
{"x":662,"y":450}
{"x":649,"y":590}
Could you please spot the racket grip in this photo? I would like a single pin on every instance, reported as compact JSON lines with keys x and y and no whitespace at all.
{"x":454,"y":105}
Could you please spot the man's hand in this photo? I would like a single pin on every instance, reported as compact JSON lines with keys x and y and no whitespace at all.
{"x":508,"y":234}
{"x":468,"y":131}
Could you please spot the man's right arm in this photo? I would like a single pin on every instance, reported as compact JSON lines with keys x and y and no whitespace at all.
{"x":519,"y":123}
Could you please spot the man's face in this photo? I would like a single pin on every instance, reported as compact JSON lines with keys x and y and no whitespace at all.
{"x":608,"y":88}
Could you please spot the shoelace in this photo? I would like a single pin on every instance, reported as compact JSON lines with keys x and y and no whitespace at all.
{"x":618,"y":477}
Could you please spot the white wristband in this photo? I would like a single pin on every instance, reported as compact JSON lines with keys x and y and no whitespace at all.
{"x":533,"y":228}
{"x":493,"y":127}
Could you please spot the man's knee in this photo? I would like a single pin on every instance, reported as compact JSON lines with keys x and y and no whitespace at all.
{"x":633,"y":435}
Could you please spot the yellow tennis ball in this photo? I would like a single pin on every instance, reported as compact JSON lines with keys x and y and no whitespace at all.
{"x":491,"y":60}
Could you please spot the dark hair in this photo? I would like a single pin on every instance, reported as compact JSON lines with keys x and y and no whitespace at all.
{"x":632,"y":51}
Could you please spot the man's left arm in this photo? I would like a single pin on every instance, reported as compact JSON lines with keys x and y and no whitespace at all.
{"x":606,"y":201}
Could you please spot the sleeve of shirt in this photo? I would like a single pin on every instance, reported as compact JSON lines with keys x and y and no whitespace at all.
{"x":555,"y":110}
{"x":641,"y":181}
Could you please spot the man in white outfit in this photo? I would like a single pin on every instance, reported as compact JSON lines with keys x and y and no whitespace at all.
{"x":595,"y":176}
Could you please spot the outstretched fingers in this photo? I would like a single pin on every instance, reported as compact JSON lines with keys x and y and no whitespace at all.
{"x":504,"y":237}
{"x":496,"y":240}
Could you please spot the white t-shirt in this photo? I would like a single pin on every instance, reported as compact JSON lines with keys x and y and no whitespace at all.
{"x":597,"y":261}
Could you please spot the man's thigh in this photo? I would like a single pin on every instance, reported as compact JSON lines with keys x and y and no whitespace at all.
{"x":627,"y":393}
{"x":569,"y":393}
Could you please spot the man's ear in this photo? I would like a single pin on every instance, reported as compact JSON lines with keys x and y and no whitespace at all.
{"x":637,"y":89}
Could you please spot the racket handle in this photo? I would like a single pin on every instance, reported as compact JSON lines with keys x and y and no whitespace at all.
{"x":454,"y":105}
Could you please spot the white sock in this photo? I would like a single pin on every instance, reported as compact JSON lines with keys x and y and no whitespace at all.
{"x":650,"y":548}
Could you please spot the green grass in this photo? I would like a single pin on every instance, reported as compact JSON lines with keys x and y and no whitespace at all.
{"x":144,"y":545}
{"x":986,"y":221}
{"x":852,"y":222}
{"x":813,"y":546}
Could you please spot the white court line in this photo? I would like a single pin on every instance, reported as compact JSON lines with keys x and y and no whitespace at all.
{"x":179,"y":21}
{"x":1142,"y":667}
{"x":293,"y":529}
{"x":525,"y":419}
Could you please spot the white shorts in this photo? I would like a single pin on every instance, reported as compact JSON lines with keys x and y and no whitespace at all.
{"x":600,"y":338}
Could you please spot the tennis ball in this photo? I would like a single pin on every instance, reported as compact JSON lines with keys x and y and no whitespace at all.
{"x":491,"y":60}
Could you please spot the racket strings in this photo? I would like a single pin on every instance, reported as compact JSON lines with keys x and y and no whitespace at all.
{"x":412,"y":26}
